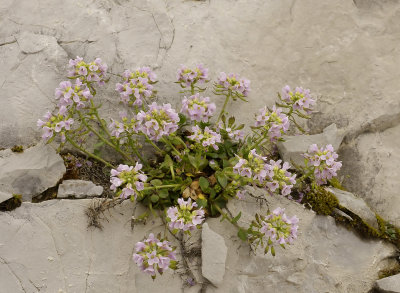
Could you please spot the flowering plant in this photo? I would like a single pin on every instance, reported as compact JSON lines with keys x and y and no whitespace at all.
{"x":200,"y":160}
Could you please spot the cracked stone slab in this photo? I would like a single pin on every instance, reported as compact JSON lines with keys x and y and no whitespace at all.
{"x":48,"y":247}
{"x":294,"y":147}
{"x":78,"y":189}
{"x":33,"y":171}
{"x":213,"y":255}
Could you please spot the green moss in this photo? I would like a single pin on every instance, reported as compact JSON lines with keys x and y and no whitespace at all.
{"x":321,"y":201}
{"x":391,"y":271}
{"x":17,"y":149}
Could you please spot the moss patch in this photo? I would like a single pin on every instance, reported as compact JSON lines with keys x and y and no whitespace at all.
{"x":11,"y":203}
{"x":321,"y":201}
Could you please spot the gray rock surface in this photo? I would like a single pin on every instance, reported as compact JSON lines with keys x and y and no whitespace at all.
{"x":213,"y":255}
{"x":32,"y":172}
{"x":356,"y":205}
{"x":292,"y":149}
{"x":78,"y":189}
{"x":47,"y":247}
{"x":370,"y":169}
{"x":325,"y":257}
{"x":389,"y":285}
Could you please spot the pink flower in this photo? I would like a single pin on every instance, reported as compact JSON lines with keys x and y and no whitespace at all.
{"x":127,"y":180}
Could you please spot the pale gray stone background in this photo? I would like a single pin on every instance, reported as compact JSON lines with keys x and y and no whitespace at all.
{"x":346,"y":51}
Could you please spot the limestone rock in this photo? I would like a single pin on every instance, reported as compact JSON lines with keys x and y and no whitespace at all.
{"x":47,"y":247}
{"x":5,"y":196}
{"x":33,"y":171}
{"x":325,"y":257}
{"x":213,"y":255}
{"x":78,"y":189}
{"x":356,"y":205}
{"x":294,"y":146}
{"x":389,"y":285}
{"x":370,"y":169}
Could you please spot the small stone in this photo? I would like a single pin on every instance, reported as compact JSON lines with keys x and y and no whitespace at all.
{"x":32,"y":172}
{"x":356,"y":205}
{"x":78,"y":189}
{"x":213,"y":255}
{"x":389,"y":285}
{"x":294,"y":147}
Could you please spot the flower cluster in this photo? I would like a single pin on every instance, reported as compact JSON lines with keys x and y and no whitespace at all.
{"x":154,"y":255}
{"x":272,"y":176}
{"x":127,"y":180}
{"x":281,"y":180}
{"x":234,"y":134}
{"x":69,"y":95}
{"x":185,"y":217}
{"x":158,"y":121}
{"x":198,"y":108}
{"x":189,"y":77}
{"x":206,"y":138}
{"x":274,"y":122}
{"x":300,"y":98}
{"x":128,"y":126}
{"x":278,"y":228}
{"x":88,"y":72}
{"x":323,"y":161}
{"x":137,"y":86}
{"x":55,"y":124}
{"x":232,"y":83}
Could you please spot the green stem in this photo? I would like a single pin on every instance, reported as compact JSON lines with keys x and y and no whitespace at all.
{"x":104,"y":127}
{"x":227,"y":216}
{"x":153,"y":144}
{"x":137,"y":153}
{"x":162,"y":186}
{"x":88,"y":153}
{"x":258,"y":142}
{"x":166,"y":141}
{"x":105,"y":140}
{"x":223,"y":108}
{"x":192,"y":89}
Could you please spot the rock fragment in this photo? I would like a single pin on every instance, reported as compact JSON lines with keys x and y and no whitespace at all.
{"x":213,"y":255}
{"x":389,"y":285}
{"x":78,"y":189}
{"x":32,"y":172}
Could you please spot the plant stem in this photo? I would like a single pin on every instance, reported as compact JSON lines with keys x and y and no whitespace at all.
{"x":162,"y":186}
{"x":105,"y":140}
{"x":166,"y":141}
{"x":153,"y":144}
{"x":192,"y":89}
{"x":137,"y":153}
{"x":223,"y":108}
{"x":88,"y":153}
{"x":227,"y":216}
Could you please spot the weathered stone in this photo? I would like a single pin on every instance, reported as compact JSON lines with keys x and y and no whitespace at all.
{"x":370,"y":169}
{"x":389,"y":285}
{"x":294,"y":147}
{"x":32,"y":172}
{"x":4,"y":195}
{"x":78,"y":189}
{"x":325,"y":257}
{"x":356,"y":205}
{"x":213,"y":255}
{"x":47,"y":247}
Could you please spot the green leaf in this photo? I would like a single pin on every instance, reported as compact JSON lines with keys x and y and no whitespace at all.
{"x":204,"y":184}
{"x":266,"y":250}
{"x":163,"y":193}
{"x":272,"y":251}
{"x":154,"y":198}
{"x":240,"y":127}
{"x":231,"y":121}
{"x":242,"y":234}
{"x":236,"y":219}
{"x":202,"y":202}
{"x":182,"y":119}
{"x":193,"y":162}
{"x":156,"y":182}
{"x":222,"y":179}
